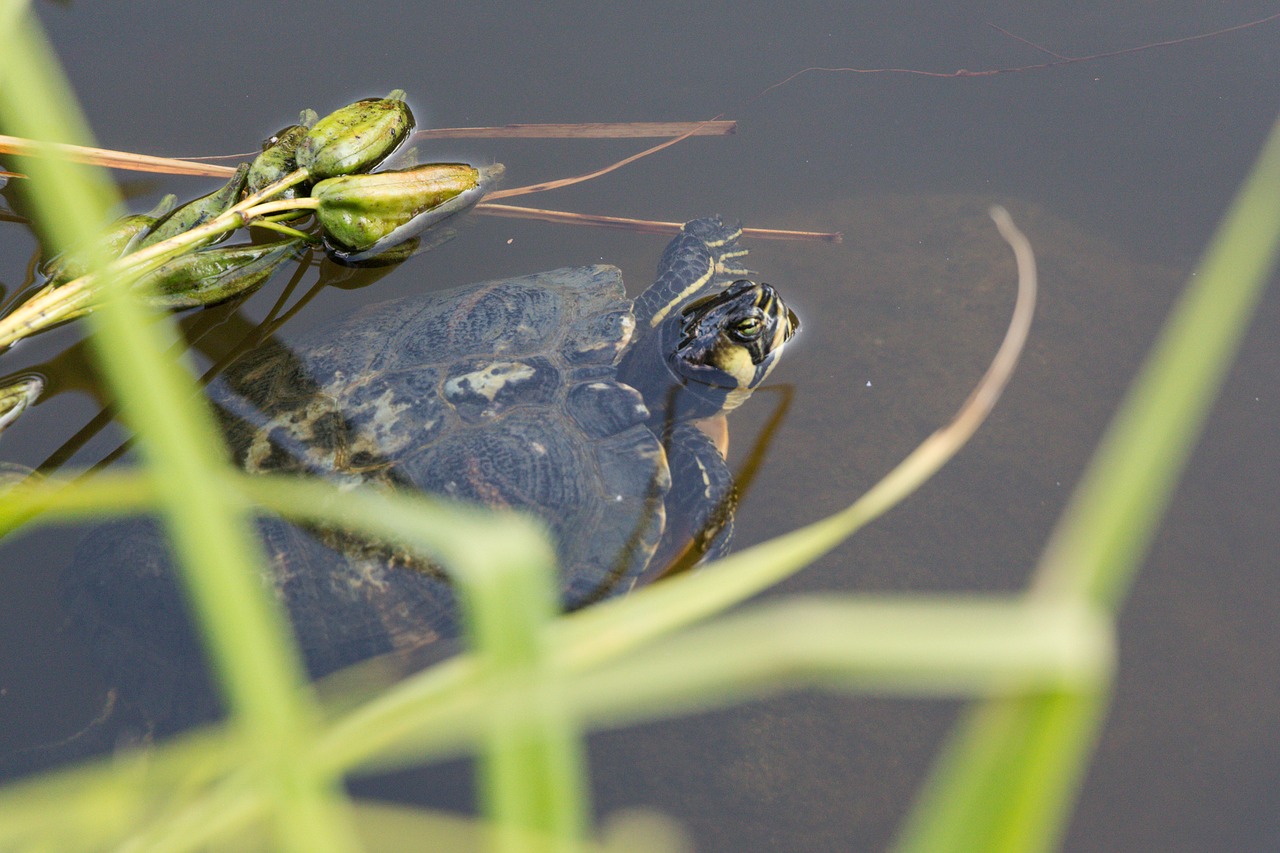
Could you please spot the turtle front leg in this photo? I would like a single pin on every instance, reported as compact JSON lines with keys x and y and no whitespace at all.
{"x":701,"y":502}
{"x":701,"y":259}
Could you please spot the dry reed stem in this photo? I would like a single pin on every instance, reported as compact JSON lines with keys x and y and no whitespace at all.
{"x":584,"y":130}
{"x":110,"y":159}
{"x":622,"y":130}
{"x":641,"y":226}
{"x":187,"y":166}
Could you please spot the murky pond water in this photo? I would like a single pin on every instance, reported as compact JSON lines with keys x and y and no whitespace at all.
{"x":1117,"y":169}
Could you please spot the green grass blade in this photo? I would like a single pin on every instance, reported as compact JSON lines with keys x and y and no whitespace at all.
{"x":1098,"y":545}
{"x":107,"y":495}
{"x":247,"y":637}
{"x":885,"y":645}
{"x":894,"y":646}
{"x":897,"y":646}
{"x":532,"y":772}
{"x":96,"y":805}
{"x":1007,"y":778}
{"x":531,"y":769}
{"x":888,"y":646}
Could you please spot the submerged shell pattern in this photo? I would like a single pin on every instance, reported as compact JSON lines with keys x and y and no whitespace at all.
{"x":501,"y":393}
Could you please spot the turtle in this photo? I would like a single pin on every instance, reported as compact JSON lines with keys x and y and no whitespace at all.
{"x":551,"y":393}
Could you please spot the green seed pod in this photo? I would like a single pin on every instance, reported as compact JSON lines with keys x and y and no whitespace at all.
{"x":355,"y":138}
{"x":17,"y":395}
{"x":276,"y":160}
{"x":364,"y":215}
{"x":113,"y":243}
{"x":199,"y":211}
{"x":210,"y":276}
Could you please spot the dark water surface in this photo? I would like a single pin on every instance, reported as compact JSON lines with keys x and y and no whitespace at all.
{"x":1117,"y":169}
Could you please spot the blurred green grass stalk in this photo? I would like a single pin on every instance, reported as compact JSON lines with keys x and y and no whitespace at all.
{"x":258,"y":666}
{"x":1007,"y":779}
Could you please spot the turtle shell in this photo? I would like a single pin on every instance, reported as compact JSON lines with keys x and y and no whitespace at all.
{"x":501,"y":393}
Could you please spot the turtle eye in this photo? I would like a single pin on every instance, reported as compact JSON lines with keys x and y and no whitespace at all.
{"x":748,"y":328}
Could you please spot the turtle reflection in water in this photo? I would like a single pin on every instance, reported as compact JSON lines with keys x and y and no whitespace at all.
{"x":550,"y":393}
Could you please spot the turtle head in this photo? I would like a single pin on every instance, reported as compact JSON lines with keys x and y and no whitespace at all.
{"x":707,"y":357}
{"x":729,"y":341}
